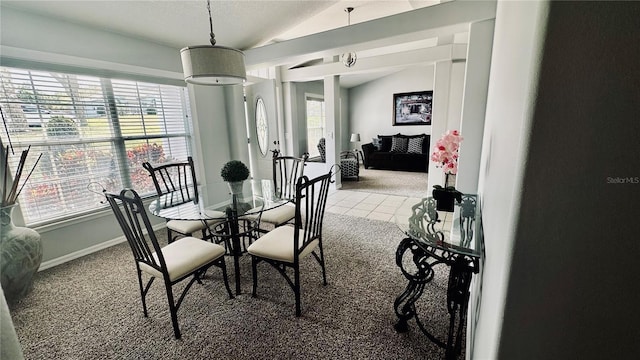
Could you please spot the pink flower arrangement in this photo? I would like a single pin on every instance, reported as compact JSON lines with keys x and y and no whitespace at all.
{"x":445,"y":152}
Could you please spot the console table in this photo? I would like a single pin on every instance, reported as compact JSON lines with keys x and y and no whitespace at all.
{"x":430,"y":241}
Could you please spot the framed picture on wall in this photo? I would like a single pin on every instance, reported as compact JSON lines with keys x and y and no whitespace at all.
{"x":412,"y":108}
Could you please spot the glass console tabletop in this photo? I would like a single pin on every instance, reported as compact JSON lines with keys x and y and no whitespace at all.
{"x":443,"y":230}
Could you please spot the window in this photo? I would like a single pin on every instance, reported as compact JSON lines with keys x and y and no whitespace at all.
{"x":262,"y":127}
{"x":315,"y":123}
{"x":88,"y":129}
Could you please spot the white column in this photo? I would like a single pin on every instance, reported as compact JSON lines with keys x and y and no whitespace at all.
{"x":289,"y":127}
{"x":440,"y":116}
{"x":332,"y":117}
{"x":474,"y":104}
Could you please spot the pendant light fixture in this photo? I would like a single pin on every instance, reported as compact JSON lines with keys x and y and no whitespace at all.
{"x":349,"y":58}
{"x":211,"y":64}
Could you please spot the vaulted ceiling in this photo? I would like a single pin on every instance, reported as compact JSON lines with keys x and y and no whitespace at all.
{"x":242,"y":24}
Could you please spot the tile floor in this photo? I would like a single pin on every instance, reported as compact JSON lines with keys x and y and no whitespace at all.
{"x":391,"y":208}
{"x":369,"y":205}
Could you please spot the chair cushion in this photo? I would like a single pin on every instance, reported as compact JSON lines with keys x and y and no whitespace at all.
{"x":279,"y":215}
{"x":185,"y":226}
{"x":277,"y":244}
{"x":215,"y":215}
{"x":184,"y":256}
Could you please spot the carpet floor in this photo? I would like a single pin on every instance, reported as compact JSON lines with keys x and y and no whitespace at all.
{"x":90,"y":308}
{"x":390,"y":182}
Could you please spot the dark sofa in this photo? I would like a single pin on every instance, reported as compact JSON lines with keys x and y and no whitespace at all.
{"x":405,"y":152}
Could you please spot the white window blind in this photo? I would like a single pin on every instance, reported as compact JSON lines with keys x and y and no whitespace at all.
{"x":89,"y":129}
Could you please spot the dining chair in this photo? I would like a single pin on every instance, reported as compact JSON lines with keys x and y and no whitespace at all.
{"x":286,"y":172}
{"x":185,"y":257}
{"x":285,"y":246}
{"x":178,"y":178}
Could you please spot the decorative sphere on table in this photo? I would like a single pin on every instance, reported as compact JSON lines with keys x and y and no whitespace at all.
{"x":235,"y":172}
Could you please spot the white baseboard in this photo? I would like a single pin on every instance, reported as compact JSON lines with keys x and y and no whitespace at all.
{"x":90,"y":250}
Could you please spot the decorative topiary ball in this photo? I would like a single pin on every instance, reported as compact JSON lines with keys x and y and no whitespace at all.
{"x":234,"y":170}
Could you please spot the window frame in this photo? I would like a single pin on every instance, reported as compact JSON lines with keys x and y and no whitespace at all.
{"x":311,"y":146}
{"x":117,"y":141}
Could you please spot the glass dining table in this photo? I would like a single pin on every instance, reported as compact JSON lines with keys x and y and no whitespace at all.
{"x":214,"y":203}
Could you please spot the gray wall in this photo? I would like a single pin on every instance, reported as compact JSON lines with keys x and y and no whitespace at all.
{"x":27,"y":31}
{"x":561,"y":233}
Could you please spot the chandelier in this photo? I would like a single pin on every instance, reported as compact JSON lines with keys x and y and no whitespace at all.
{"x":349,"y":58}
{"x":211,"y":64}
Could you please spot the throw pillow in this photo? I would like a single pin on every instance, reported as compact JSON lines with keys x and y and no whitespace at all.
{"x":426,"y":144}
{"x":385,"y":142}
{"x":399,"y":144}
{"x":415,"y":145}
{"x":376,"y":143}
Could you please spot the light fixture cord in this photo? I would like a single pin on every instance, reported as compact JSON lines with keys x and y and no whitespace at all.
{"x":213,"y":36}
{"x":348,"y":10}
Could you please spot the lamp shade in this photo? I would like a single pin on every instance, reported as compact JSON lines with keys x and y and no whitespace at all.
{"x":213,"y":65}
{"x":355,"y":137}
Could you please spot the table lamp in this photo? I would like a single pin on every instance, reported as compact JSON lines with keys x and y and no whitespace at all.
{"x":355,"y":138}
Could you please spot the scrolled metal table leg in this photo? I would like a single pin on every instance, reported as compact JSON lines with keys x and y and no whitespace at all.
{"x":457,"y":302}
{"x":404,"y":304}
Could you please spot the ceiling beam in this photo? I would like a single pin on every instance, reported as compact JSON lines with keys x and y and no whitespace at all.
{"x":438,"y":20}
{"x":454,"y":52}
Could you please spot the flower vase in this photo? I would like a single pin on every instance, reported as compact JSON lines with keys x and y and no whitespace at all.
{"x":445,"y":196}
{"x":237,"y":198}
{"x":21,"y":255}
{"x":235,"y":187}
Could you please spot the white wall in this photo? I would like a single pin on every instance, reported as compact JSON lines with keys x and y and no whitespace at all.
{"x":511,"y":93}
{"x":371,"y":104}
{"x":561,"y":183}
{"x":474,"y":107}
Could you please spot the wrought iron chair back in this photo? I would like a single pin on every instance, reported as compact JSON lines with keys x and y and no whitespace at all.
{"x":178,"y":181}
{"x":134,"y":222}
{"x":286,"y":172}
{"x":177,"y":178}
{"x":310,"y":207}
